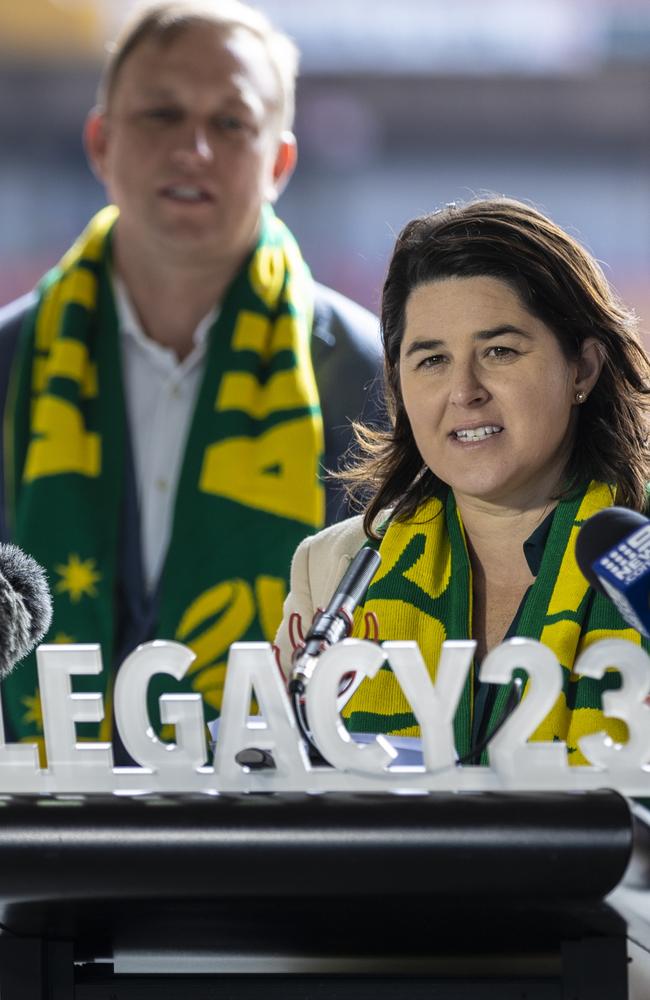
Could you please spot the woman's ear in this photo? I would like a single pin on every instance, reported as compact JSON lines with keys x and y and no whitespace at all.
{"x":588,"y":367}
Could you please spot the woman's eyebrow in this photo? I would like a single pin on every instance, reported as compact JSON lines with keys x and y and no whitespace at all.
{"x":424,"y":345}
{"x":496,"y":331}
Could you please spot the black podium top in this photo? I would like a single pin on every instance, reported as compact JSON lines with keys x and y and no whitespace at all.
{"x":463,"y":886}
{"x":569,"y":845}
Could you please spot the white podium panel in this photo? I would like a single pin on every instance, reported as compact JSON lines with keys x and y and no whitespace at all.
{"x":352,"y":763}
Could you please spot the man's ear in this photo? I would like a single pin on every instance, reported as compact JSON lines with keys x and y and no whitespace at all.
{"x":284,"y":165}
{"x":95,"y":141}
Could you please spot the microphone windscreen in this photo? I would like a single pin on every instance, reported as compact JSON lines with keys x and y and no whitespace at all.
{"x":25,"y":606}
{"x":601,"y":533}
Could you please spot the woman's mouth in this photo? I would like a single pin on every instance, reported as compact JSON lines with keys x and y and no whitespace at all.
{"x":476,"y":433}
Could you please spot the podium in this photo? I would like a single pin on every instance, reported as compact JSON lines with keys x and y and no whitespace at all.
{"x":481,"y":895}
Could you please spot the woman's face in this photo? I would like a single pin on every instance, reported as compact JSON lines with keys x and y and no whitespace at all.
{"x":488,"y":392}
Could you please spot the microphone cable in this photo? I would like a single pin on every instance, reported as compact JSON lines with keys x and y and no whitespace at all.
{"x":514,"y":700}
{"x":257,"y":759}
{"x":328,"y":628}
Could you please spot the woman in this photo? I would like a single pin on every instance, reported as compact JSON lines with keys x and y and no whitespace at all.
{"x":518,"y":396}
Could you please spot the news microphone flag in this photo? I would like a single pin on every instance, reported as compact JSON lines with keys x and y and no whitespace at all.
{"x":613,"y":552}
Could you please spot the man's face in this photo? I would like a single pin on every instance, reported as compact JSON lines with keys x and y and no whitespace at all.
{"x":190,"y":147}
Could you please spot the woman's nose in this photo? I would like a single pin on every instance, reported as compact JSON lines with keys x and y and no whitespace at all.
{"x":467,"y":389}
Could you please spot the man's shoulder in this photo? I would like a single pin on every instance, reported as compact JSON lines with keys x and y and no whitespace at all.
{"x":340,"y":322}
{"x":12,"y":317}
{"x":347,"y":356}
{"x":14,"y":313}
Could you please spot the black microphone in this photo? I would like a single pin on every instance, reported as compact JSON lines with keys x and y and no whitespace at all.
{"x":613,"y":553}
{"x":328,"y":627}
{"x":25,"y":606}
{"x":335,"y":622}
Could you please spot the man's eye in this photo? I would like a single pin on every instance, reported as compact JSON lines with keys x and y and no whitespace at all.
{"x":164,"y":116}
{"x":232,"y":125}
{"x":229,"y":123}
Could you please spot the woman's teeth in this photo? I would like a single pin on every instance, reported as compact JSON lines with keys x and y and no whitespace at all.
{"x":477,"y":433}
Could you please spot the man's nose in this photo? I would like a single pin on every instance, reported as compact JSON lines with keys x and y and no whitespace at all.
{"x":194,"y":145}
{"x":201,"y":143}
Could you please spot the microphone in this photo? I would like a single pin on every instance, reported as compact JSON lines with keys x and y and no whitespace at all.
{"x":328,"y":627}
{"x":613,"y":552}
{"x":25,"y":606}
{"x":335,"y":622}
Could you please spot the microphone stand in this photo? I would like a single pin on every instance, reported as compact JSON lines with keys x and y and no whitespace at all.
{"x":328,"y":627}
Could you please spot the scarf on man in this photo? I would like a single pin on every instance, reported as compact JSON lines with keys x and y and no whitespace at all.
{"x":249,"y":487}
{"x":423,"y":592}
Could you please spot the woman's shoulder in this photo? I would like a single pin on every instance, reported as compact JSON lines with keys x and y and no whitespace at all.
{"x":321,"y":559}
{"x":318,"y":564}
{"x":339,"y":537}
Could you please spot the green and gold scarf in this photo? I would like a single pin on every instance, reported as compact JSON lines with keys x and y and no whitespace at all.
{"x":422,"y":592}
{"x":249,"y":488}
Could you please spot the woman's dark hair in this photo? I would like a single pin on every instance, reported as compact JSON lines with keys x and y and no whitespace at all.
{"x":561,"y":284}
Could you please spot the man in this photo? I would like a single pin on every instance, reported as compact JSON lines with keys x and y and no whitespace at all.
{"x":175,"y":387}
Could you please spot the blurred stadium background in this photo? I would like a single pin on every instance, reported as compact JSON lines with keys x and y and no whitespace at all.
{"x":402,"y":106}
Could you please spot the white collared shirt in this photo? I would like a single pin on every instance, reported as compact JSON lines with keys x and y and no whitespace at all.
{"x":160,"y":395}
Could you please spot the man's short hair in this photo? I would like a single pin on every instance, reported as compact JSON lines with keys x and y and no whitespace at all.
{"x":166,"y":19}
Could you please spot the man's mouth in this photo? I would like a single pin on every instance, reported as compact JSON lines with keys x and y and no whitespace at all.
{"x":188,"y":193}
{"x":476,"y":433}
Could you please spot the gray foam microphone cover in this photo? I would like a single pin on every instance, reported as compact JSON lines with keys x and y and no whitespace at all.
{"x":25,"y":606}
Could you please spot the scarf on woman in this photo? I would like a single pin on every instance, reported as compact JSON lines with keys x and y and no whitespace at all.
{"x":423,"y":592}
{"x":249,"y":487}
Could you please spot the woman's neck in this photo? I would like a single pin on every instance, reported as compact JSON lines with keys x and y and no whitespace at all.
{"x":500,"y":572}
{"x":496,"y":534}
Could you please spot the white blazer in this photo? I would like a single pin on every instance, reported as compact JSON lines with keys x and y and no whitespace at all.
{"x":318,"y":564}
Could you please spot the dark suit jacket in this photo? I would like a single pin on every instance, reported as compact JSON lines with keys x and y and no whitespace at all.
{"x":346,"y":356}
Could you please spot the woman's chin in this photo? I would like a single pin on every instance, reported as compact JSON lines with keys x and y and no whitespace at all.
{"x":482,"y":489}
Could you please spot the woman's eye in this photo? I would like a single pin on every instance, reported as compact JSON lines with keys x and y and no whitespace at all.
{"x":499,"y":351}
{"x":431,"y":361}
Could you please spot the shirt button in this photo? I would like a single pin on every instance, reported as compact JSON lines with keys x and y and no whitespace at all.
{"x":162,"y":485}
{"x":176,"y":392}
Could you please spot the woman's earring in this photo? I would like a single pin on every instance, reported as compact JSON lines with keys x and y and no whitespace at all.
{"x":580,"y":396}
